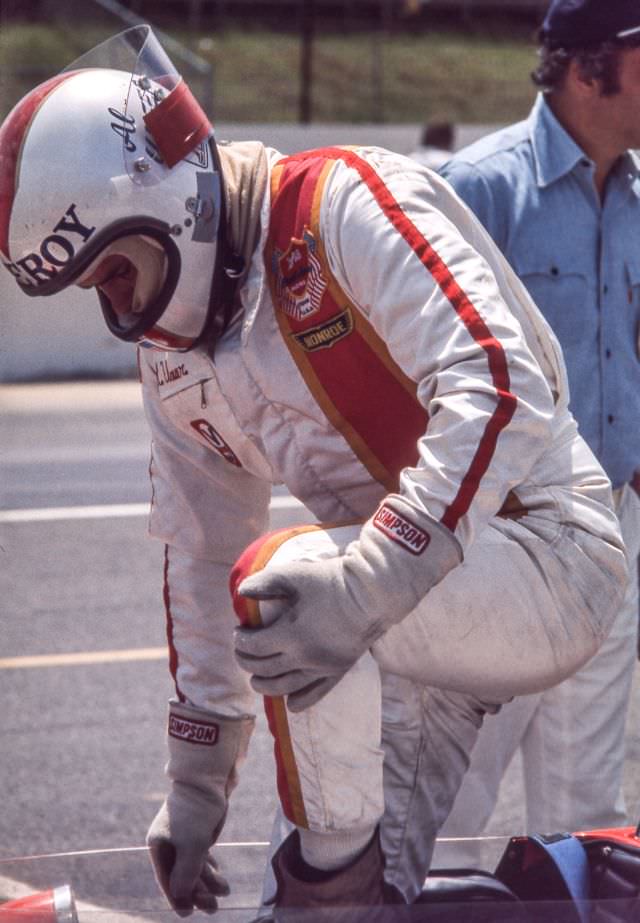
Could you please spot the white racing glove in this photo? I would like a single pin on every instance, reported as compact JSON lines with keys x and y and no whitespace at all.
{"x":205,"y":753}
{"x":329,"y":612}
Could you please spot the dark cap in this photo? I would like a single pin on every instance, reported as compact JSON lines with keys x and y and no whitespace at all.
{"x":571,"y":23}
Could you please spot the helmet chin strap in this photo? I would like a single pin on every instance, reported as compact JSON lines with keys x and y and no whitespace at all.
{"x":243,"y":172}
{"x":229,"y":270}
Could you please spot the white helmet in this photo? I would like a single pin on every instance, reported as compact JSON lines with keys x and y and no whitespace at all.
{"x":114,"y":155}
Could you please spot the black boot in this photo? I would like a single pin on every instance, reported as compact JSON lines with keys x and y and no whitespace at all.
{"x":356,"y":893}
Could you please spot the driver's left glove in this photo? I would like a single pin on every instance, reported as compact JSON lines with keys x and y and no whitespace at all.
{"x":205,"y":753}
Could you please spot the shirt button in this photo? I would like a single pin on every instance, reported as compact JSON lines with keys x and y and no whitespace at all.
{"x":608,"y":353}
{"x":554,"y":270}
{"x":605,"y":288}
{"x":610,"y":418}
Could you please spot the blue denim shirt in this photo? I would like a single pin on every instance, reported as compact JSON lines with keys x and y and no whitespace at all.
{"x":532,"y":187}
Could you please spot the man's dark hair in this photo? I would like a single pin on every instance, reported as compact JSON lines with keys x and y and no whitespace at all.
{"x":599,"y":62}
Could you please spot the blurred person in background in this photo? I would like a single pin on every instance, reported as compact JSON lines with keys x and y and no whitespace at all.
{"x":436,"y":144}
{"x":336,"y":321}
{"x":560,"y":195}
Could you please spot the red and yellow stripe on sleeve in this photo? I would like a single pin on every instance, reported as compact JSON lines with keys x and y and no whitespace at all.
{"x":362,"y":391}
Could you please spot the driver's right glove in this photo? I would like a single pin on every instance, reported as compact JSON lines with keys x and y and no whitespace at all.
{"x":325,"y":614}
{"x":205,"y":752}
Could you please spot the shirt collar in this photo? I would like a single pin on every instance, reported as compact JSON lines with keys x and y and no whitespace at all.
{"x":556,"y":153}
{"x":554,"y":150}
{"x":633,"y":163}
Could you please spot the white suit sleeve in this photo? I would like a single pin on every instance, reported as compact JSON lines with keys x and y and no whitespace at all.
{"x":432,"y":294}
{"x":206,"y":511}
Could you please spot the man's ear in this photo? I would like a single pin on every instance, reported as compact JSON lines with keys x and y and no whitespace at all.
{"x":583,"y":86}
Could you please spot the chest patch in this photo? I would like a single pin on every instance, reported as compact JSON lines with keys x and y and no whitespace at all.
{"x":324,"y":335}
{"x":215,"y":440}
{"x":299,"y":281}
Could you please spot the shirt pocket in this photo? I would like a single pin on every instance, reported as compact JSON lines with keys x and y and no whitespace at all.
{"x":561,"y":292}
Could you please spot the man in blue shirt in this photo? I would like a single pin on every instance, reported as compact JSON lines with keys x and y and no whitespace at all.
{"x":560,"y":194}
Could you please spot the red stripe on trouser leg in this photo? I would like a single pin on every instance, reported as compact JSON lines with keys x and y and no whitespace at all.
{"x":252,"y":560}
{"x":173,"y":653}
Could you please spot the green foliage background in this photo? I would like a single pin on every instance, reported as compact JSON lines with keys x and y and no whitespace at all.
{"x":470,"y":76}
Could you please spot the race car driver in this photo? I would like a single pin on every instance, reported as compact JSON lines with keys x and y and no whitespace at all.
{"x":335,"y":321}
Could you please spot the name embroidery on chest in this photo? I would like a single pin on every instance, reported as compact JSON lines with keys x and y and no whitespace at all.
{"x":166,"y":374}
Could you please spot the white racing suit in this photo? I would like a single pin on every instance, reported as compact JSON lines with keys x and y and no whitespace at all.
{"x":384,"y":345}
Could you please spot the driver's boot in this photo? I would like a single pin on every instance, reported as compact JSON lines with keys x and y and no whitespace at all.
{"x":353,"y":894}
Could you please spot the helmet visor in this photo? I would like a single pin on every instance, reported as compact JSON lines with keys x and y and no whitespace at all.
{"x":175,"y":125}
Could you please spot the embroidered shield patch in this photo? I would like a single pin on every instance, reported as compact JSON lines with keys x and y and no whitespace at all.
{"x":300,"y":283}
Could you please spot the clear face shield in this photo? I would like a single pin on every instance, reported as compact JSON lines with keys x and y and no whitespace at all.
{"x":119,"y":134}
{"x":174,"y":123}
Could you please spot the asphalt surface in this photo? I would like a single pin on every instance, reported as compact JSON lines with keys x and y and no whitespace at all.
{"x":83,"y":672}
